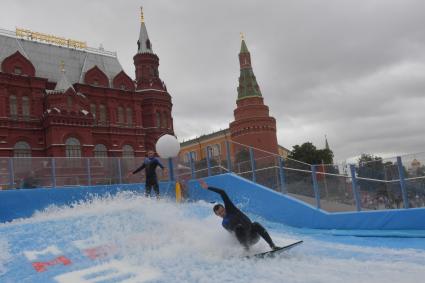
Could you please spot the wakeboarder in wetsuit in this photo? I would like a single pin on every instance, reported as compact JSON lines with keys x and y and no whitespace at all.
{"x":149,"y":164}
{"x":248,"y":233}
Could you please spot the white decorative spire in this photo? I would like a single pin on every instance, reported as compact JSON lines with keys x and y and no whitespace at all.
{"x":63,"y":85}
{"x":144,"y":44}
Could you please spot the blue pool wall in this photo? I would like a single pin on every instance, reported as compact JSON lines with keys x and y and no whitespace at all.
{"x":251,"y":197}
{"x":274,"y":206}
{"x":22,"y":203}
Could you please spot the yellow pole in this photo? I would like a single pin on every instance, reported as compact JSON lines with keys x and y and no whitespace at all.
{"x":178,"y":192}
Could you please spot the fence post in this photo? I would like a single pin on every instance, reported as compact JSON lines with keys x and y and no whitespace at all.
{"x":402,"y":182}
{"x":282,"y":175}
{"x":88,"y":172}
{"x":170,"y":169}
{"x":208,"y":160}
{"x":53,"y":161}
{"x":315,"y":185}
{"x":251,"y":155}
{"x":354,"y":187}
{"x":11,"y":173}
{"x":119,"y":170}
{"x":192,"y":166}
{"x":228,"y":156}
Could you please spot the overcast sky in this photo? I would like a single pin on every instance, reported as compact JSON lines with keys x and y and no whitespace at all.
{"x":352,"y":70}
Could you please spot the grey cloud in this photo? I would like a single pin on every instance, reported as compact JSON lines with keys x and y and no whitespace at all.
{"x":354,"y":70}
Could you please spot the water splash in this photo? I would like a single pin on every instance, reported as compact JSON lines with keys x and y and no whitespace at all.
{"x":116,"y":237}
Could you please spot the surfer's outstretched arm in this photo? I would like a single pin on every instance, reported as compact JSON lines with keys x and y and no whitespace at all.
{"x":228,"y":204}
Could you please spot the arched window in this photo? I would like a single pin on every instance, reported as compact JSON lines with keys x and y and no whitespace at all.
{"x":215,"y":150}
{"x":120,"y":115}
{"x":93,"y":110}
{"x":158,"y":119}
{"x":17,"y":70}
{"x":69,"y":102}
{"x":127,"y":151}
{"x":25,"y":107}
{"x":102,"y":114}
{"x":13,"y":107}
{"x":72,"y":147}
{"x":129,"y":117}
{"x":193,"y":155}
{"x":100,"y":150}
{"x":164,"y":120}
{"x":186,"y":157}
{"x":22,"y":149}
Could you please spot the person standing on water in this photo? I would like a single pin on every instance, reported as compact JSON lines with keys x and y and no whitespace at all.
{"x":150,"y":164}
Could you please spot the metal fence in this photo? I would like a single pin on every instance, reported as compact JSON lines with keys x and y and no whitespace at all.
{"x":389,"y":183}
{"x":24,"y":172}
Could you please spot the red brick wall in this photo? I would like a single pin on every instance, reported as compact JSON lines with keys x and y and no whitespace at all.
{"x":253,"y":126}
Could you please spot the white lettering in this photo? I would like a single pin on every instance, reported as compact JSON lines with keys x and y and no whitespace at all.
{"x":109,"y":271}
{"x":33,"y":255}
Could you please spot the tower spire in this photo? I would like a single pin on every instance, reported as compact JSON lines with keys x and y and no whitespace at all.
{"x":244,"y":49}
{"x":253,"y":125}
{"x":143,"y":44}
{"x":63,"y":84}
{"x":326,"y":142}
{"x":248,"y":86}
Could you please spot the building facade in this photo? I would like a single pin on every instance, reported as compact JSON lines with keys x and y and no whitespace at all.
{"x":61,"y":98}
{"x":197,"y":148}
{"x":215,"y":143}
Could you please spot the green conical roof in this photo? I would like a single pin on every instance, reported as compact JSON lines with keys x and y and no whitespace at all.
{"x":248,"y":86}
{"x":244,"y":49}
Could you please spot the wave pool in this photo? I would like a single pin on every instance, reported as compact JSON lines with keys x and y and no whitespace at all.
{"x":129,"y":238}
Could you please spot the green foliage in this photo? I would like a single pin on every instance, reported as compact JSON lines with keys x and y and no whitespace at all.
{"x":242,"y":155}
{"x":308,"y":153}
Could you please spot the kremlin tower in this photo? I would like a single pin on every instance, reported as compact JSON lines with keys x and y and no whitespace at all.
{"x":252,"y":125}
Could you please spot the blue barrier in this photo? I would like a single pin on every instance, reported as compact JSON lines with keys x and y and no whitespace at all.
{"x":254,"y":198}
{"x":22,"y":203}
{"x":277,"y":207}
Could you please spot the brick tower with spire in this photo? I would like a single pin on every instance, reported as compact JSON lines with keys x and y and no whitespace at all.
{"x":253,"y":126}
{"x":157,"y":106}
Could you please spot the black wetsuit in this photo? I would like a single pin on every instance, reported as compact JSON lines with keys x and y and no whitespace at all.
{"x":248,"y":233}
{"x":150,"y":164}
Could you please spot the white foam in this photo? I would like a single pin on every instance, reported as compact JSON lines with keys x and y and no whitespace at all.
{"x":186,"y":243}
{"x":5,"y":255}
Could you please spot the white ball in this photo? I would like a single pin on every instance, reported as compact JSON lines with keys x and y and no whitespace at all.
{"x":167,"y":146}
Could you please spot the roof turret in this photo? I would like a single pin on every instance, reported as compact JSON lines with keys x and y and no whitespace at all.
{"x":144,"y":45}
{"x":63,"y":85}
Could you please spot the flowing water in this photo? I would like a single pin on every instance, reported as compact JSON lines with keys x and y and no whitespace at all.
{"x":129,"y":238}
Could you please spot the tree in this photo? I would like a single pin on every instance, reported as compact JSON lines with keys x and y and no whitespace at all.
{"x":308,"y":153}
{"x":242,"y":155}
{"x":372,"y":167}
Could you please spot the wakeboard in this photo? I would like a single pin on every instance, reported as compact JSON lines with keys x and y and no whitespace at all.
{"x":275,"y":252}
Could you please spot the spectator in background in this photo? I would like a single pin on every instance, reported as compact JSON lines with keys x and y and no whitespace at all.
{"x":30,"y":181}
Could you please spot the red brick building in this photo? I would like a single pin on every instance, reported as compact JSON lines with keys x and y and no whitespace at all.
{"x":252,"y":125}
{"x":61,"y":98}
